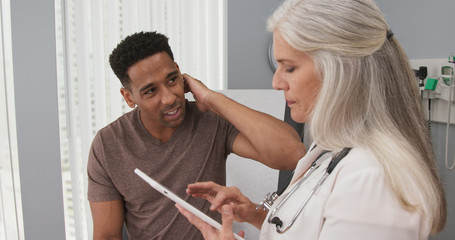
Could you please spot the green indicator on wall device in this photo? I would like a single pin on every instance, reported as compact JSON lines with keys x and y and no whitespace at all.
{"x":431,"y":84}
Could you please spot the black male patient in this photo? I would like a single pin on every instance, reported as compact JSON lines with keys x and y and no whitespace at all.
{"x":172,"y":140}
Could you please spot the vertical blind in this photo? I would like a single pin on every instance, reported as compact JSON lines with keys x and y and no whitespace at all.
{"x":11,"y":224}
{"x":89,"y":92}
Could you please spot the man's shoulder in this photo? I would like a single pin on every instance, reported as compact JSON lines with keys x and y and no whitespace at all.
{"x":118,"y":125}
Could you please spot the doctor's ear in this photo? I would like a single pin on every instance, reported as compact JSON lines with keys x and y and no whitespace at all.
{"x":128,"y":96}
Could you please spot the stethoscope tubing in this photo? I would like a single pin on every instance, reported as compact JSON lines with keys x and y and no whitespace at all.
{"x":314,"y":166}
{"x":333,"y":163}
{"x":324,"y":177}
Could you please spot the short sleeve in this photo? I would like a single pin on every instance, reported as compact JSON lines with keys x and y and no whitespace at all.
{"x":232,"y":135}
{"x":100,"y":185}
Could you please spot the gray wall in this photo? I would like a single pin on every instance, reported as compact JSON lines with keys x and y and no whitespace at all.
{"x":248,"y":42}
{"x":423,"y":28}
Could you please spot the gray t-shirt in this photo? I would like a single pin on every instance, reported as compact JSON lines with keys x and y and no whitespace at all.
{"x":197,"y":151}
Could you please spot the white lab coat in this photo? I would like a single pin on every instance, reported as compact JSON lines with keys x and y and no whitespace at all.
{"x":354,"y":202}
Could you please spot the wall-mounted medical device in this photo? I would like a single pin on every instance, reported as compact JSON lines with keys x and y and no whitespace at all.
{"x":440,"y":87}
{"x":447,"y":74}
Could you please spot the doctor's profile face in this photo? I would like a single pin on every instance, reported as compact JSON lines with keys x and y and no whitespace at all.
{"x":295,"y":75}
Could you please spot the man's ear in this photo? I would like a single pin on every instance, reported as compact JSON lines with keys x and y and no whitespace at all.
{"x":128,"y":96}
{"x":185,"y":86}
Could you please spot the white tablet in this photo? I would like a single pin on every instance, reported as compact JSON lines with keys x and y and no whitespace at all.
{"x":166,"y":192}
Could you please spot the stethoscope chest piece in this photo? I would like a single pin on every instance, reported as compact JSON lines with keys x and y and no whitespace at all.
{"x":268,"y":201}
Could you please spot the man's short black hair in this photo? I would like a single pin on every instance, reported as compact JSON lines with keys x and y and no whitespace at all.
{"x":135,"y":48}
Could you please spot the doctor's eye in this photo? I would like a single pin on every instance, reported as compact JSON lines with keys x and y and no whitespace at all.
{"x":289,"y":69}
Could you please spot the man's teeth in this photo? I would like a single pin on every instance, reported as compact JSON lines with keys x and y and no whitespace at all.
{"x":172,"y":113}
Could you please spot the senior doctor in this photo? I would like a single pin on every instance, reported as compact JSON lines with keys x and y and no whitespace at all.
{"x":344,"y":73}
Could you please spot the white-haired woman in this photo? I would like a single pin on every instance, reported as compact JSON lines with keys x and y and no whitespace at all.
{"x":345,"y":74}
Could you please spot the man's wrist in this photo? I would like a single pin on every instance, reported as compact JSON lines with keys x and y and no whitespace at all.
{"x":213,"y":101}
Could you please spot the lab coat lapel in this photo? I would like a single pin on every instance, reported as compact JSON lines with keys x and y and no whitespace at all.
{"x":304,"y":164}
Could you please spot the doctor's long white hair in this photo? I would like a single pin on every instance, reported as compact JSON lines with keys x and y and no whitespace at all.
{"x":369,"y":96}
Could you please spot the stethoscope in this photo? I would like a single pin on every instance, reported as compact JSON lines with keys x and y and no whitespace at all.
{"x":269,"y":199}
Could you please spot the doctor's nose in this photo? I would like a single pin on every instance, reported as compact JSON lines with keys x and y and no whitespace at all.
{"x":278,"y":82}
